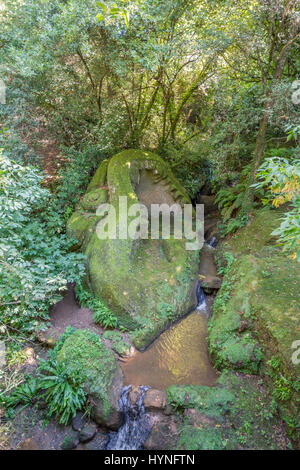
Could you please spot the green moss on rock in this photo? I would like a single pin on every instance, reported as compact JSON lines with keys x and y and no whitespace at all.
{"x":81,"y":227}
{"x":91,"y":201}
{"x":121,"y":347}
{"x":99,"y":178}
{"x":82,"y":352}
{"x":231,"y":342}
{"x":259,"y":300}
{"x":234,"y":414}
{"x":135,"y":276}
{"x":255,"y":239}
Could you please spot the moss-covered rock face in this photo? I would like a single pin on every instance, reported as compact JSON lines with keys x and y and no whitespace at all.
{"x":91,"y":200}
{"x":255,"y":239}
{"x":136,"y":277}
{"x":235,"y":414}
{"x":230,"y":331}
{"x":83,"y":353}
{"x":257,"y":310}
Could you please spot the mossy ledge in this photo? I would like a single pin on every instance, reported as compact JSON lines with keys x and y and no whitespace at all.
{"x":256,"y":314}
{"x":235,"y":414}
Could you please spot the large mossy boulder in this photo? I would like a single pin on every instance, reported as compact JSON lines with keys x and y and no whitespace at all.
{"x":146,"y":282}
{"x":83,"y":353}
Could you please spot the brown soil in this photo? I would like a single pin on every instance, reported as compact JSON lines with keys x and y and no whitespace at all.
{"x":32,"y":432}
{"x":68,"y":312}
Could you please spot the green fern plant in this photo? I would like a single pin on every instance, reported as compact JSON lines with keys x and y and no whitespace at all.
{"x":230,"y":200}
{"x":102,"y":314}
{"x":63,"y":392}
{"x":25,"y":394}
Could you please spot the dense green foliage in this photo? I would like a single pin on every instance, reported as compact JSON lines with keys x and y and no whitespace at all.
{"x":281,"y":177}
{"x":234,"y":414}
{"x":63,"y":392}
{"x":35,"y":265}
{"x":212,"y":87}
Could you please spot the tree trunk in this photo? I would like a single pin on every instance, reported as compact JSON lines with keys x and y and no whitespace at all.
{"x":257,"y":159}
{"x":261,"y":137}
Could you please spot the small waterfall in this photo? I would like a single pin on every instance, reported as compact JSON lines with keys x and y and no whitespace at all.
{"x":201,"y":300}
{"x":212,"y":243}
{"x":136,"y":427}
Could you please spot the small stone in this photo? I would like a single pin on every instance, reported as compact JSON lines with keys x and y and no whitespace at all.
{"x":49,"y":337}
{"x":163,"y":435}
{"x":134,"y":394}
{"x":79,"y":421}
{"x":87,"y":433}
{"x":211,"y":283}
{"x":70,"y":441}
{"x":155,"y":399}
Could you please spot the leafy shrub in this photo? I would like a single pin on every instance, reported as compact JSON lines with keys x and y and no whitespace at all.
{"x":25,"y":393}
{"x":233,"y":224}
{"x":281,"y":152}
{"x":35,"y":265}
{"x":102,"y":314}
{"x":190,"y":166}
{"x":76,"y":176}
{"x":229,"y":260}
{"x":230,"y":201}
{"x":281,"y":179}
{"x":63,"y":392}
{"x":166,"y":311}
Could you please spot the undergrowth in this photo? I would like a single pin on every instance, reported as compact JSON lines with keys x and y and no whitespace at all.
{"x":102,"y":314}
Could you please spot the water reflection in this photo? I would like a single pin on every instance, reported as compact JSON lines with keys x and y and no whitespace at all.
{"x":178,"y":356}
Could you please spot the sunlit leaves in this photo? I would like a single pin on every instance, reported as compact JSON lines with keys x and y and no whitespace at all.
{"x":281,"y":178}
{"x":112,"y":12}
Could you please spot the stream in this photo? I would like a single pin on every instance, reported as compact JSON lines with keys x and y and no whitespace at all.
{"x":178,"y":356}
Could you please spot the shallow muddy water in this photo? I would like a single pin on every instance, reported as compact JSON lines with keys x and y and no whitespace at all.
{"x":178,"y":356}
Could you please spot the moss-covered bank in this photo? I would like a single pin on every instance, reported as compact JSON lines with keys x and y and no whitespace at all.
{"x":235,"y":414}
{"x":256,"y":317}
